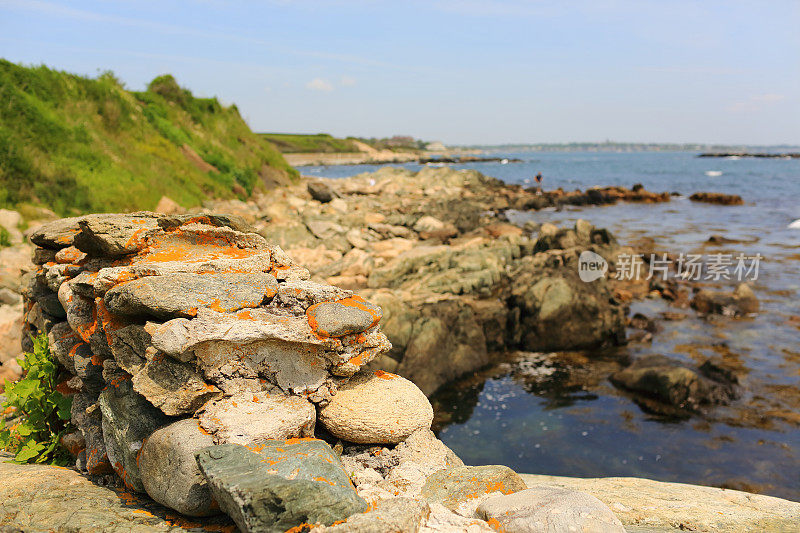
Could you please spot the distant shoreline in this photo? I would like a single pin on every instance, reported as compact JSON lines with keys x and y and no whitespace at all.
{"x":785,"y":155}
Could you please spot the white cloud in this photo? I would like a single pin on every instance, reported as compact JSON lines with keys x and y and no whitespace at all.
{"x":347,"y":81}
{"x":319,"y":84}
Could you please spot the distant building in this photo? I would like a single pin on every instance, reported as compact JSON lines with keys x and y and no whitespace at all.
{"x":435,"y":146}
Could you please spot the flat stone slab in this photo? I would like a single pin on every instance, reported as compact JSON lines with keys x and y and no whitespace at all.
{"x":647,"y":505}
{"x":42,"y":498}
{"x":545,"y":508}
{"x":181,"y":295}
{"x":280,"y":484}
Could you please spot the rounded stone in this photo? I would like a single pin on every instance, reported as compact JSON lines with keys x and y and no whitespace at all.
{"x":549,"y":509}
{"x":377,"y":408}
{"x":343,"y":317}
{"x":169,"y":470}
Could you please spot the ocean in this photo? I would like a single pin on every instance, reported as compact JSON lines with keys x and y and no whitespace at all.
{"x":574,"y":422}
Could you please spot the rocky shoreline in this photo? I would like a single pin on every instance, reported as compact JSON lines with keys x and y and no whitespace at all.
{"x":194,"y":344}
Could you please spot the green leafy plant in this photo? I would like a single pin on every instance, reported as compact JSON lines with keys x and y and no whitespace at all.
{"x":41,"y":412}
{"x":5,"y":237}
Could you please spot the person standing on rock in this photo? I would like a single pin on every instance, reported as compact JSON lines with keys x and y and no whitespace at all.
{"x":539,"y":183}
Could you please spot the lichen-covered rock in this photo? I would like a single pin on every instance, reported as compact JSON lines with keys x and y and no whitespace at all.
{"x":545,"y":508}
{"x":155,"y":316}
{"x":376,"y":407}
{"x":128,"y":419}
{"x":390,"y":515}
{"x":169,"y":470}
{"x":251,"y":418}
{"x":56,"y":234}
{"x":459,"y":486}
{"x":114,"y":235}
{"x":282,"y":485}
{"x":343,"y":317}
{"x":181,"y":295}
{"x":175,"y":388}
{"x":50,"y":498}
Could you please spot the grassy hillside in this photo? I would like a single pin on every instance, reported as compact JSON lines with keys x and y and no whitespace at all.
{"x":293,"y":143}
{"x":76,"y":144}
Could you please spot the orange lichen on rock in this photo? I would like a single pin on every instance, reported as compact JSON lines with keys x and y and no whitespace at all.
{"x":384,"y":375}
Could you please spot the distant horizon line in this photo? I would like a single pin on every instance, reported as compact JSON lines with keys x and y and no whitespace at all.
{"x":687,"y":145}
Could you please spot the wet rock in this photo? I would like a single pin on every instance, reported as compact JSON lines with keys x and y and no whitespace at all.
{"x":741,"y":302}
{"x":320,"y":191}
{"x":377,"y":408}
{"x":250,"y":418}
{"x":458,"y":486}
{"x":283,"y":485}
{"x":717,"y":198}
{"x":169,"y":470}
{"x":128,"y":419}
{"x":175,"y":388}
{"x":545,"y":508}
{"x":343,"y":317}
{"x":668,"y":381}
{"x":180,"y":295}
{"x":558,"y":311}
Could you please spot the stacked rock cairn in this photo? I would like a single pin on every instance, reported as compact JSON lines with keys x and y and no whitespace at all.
{"x":209,"y":372}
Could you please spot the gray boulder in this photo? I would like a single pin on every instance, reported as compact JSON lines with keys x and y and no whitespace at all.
{"x":169,"y":471}
{"x":280,"y":486}
{"x":128,"y":419}
{"x":670,"y":382}
{"x":741,"y":302}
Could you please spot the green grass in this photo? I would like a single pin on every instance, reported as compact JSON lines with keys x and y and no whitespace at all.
{"x":76,"y":144}
{"x":291,"y":143}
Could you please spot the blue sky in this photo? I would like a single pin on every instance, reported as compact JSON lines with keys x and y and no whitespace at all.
{"x":468,"y":71}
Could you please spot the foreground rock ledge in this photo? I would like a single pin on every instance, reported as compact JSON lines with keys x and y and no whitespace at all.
{"x":647,"y":505}
{"x":49,"y":498}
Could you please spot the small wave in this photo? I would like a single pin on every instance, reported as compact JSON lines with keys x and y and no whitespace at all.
{"x":795,"y":224}
{"x":713,"y":173}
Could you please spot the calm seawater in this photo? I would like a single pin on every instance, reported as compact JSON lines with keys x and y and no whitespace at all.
{"x":575,"y":423}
